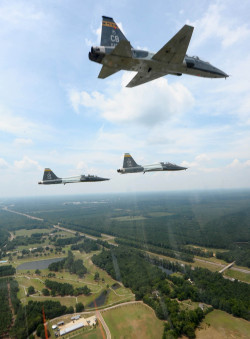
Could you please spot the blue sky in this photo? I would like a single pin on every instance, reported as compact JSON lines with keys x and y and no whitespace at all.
{"x":55,"y":112}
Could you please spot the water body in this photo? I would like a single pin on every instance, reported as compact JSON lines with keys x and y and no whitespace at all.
{"x":99,"y":301}
{"x":165,"y":270}
{"x":40,"y":264}
{"x":115,"y":286}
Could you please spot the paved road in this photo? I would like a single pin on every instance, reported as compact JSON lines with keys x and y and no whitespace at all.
{"x":240,"y":270}
{"x":104,"y":325}
{"x":25,"y":215}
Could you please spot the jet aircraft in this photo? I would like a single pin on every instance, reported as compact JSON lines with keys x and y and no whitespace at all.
{"x":130,"y":166}
{"x":116,"y":53}
{"x":49,"y":178}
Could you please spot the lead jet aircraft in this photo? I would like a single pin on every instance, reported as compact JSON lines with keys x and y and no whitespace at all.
{"x":49,"y":178}
{"x":130,"y":166}
{"x":116,"y":53}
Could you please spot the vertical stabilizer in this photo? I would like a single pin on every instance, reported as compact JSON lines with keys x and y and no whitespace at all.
{"x":49,"y":175}
{"x":111,"y":33}
{"x":129,"y":161}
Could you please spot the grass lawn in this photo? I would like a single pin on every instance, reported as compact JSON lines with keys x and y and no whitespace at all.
{"x":28,"y":233}
{"x":202,"y":264}
{"x":95,"y":333}
{"x":30,"y":279}
{"x":237,"y":275}
{"x":160,"y":214}
{"x":221,"y":325}
{"x":129,"y":218}
{"x":211,"y":267}
{"x":133,"y":321}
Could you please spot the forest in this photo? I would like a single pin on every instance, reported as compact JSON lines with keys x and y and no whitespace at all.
{"x":166,"y":220}
{"x":142,"y":274}
{"x":147,"y":281}
{"x":63,"y":289}
{"x":8,"y":289}
{"x":29,"y":317}
{"x":69,"y":264}
{"x":6,"y":270}
{"x":239,"y":254}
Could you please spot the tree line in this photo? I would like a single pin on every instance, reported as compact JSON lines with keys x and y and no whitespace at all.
{"x":29,"y":316}
{"x":241,"y":255}
{"x":87,"y":246}
{"x":149,"y":284}
{"x":70,"y":264}
{"x":6,"y":270}
{"x":63,"y":289}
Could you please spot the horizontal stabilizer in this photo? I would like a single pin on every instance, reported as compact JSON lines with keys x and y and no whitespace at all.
{"x":123,"y":49}
{"x":175,"y":50}
{"x":107,"y":71}
{"x":142,"y":77}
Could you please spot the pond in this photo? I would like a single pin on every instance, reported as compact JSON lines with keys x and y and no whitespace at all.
{"x":39,"y":264}
{"x":165,"y":270}
{"x":99,"y":301}
{"x":115,"y":286}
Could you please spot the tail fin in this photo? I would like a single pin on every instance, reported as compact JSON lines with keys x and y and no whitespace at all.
{"x":49,"y":175}
{"x":111,"y":33}
{"x":129,"y":161}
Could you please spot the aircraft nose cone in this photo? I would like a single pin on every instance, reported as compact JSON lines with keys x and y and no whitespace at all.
{"x":221,"y":74}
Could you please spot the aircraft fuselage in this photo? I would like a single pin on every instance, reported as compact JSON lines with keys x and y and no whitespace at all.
{"x":72,"y":180}
{"x":141,"y":61}
{"x":161,"y":166}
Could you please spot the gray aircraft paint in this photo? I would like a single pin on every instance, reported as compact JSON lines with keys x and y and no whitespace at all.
{"x":116,"y":53}
{"x":130,"y":166}
{"x":49,"y":178}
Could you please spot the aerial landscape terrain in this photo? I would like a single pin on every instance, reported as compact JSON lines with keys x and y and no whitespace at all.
{"x":124,"y":169}
{"x":159,"y":264}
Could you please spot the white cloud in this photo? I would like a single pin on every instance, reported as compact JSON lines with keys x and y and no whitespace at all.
{"x":236,"y":163}
{"x":23,"y":141}
{"x":215,"y":24}
{"x":3,"y":163}
{"x":149,"y":104}
{"x":20,"y":15}
{"x":14,"y":124}
{"x":27,"y":164}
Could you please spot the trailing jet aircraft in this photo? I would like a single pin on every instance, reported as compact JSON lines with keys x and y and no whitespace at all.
{"x":49,"y":178}
{"x":116,"y":53}
{"x":130,"y":166}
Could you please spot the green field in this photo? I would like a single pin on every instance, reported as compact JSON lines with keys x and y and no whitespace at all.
{"x":28,"y":233}
{"x":129,"y":218}
{"x":95,"y":333}
{"x":238,"y":275}
{"x":221,"y":325}
{"x":133,"y":321}
{"x":28,"y":278}
{"x":160,"y":214}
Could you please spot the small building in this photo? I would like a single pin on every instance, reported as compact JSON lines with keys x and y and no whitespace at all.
{"x":76,"y":324}
{"x":71,"y":327}
{"x":54,"y":327}
{"x":60,"y":323}
{"x":75,"y":317}
{"x":91,"y":320}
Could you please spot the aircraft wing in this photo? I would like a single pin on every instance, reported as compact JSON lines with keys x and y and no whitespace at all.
{"x":107,"y":71}
{"x":142,"y":77}
{"x":175,"y":50}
